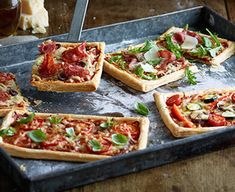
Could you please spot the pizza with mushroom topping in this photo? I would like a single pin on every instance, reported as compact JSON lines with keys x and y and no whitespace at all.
{"x":192,"y":113}
{"x":68,"y":67}
{"x":71,"y":137}
{"x":10,"y":96}
{"x":146,"y":66}
{"x":207,"y":49}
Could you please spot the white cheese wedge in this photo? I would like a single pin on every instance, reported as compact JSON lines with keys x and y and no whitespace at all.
{"x":151,"y":54}
{"x":31,"y":7}
{"x":38,"y":21}
{"x":189,"y":42}
{"x":148,"y":68}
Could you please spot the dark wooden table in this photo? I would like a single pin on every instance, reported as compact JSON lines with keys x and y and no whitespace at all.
{"x":211,"y":172}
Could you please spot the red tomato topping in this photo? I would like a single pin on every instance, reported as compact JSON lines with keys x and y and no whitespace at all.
{"x":179,"y":37}
{"x":106,"y":146}
{"x":233,"y":97}
{"x":76,"y":54}
{"x":175,"y":99}
{"x":214,"y":104}
{"x":4,"y":96}
{"x":5,"y":77}
{"x":216,"y":120}
{"x":48,"y":68}
{"x":75,"y":70}
{"x":47,"y":48}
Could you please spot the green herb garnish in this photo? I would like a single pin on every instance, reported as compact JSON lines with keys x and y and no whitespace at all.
{"x":146,"y":47}
{"x":207,"y":42}
{"x":115,"y":58}
{"x":119,"y":139}
{"x":214,"y":37}
{"x":95,"y":145}
{"x":107,"y":124}
{"x":26,"y":119}
{"x":141,"y":108}
{"x":9,"y":131}
{"x":200,"y":51}
{"x":214,"y":51}
{"x":191,"y":78}
{"x":155,"y":61}
{"x":186,"y":27}
{"x":70,"y":132}
{"x":139,"y":71}
{"x":37,"y":136}
{"x":174,"y":48}
{"x":55,"y":119}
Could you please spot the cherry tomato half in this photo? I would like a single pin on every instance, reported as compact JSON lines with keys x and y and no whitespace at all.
{"x":216,"y":120}
{"x":175,"y":99}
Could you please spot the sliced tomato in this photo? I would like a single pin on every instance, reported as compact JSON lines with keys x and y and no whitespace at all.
{"x":178,"y":115}
{"x":233,"y":97}
{"x":179,"y":37}
{"x":175,"y":99}
{"x":47,"y":144}
{"x":106,"y":147}
{"x":75,"y":70}
{"x":214,"y":104}
{"x":6,"y":77}
{"x":76,"y":54}
{"x":48,"y":68}
{"x":216,"y":120}
{"x":4,"y":96}
{"x":48,"y":47}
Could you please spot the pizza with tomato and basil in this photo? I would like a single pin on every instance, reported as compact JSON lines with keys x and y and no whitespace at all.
{"x":68,"y":67}
{"x":146,"y":66}
{"x":71,"y":137}
{"x":187,"y":114}
{"x":10,"y":96}
{"x":207,"y":49}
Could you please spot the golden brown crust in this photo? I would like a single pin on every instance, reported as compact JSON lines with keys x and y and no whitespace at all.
{"x":60,"y":86}
{"x":69,"y":156}
{"x":176,"y":130}
{"x":216,"y":61}
{"x":141,"y":84}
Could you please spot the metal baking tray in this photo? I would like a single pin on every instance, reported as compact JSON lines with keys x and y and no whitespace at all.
{"x":115,"y":98}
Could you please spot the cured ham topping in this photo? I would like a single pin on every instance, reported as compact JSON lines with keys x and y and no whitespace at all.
{"x":205,"y":110}
{"x":4,"y":77}
{"x":58,"y":133}
{"x":47,"y":47}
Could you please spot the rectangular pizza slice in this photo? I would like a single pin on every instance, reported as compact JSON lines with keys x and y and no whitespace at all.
{"x":68,"y":67}
{"x":207,"y":49}
{"x":146,"y":66}
{"x":71,"y":137}
{"x":190,"y":113}
{"x":10,"y":96}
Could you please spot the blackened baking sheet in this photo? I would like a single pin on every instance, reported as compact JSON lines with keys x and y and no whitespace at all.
{"x":113,"y":97}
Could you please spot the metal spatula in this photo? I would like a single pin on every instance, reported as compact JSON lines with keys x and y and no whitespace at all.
{"x":77,"y":22}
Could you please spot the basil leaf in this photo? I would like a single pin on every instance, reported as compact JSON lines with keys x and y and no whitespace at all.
{"x":107,"y":124}
{"x":214,"y":51}
{"x":200,"y":51}
{"x":26,"y":119}
{"x":115,"y":58}
{"x":70,"y":132}
{"x":189,"y":75}
{"x":174,"y":48}
{"x":37,"y":136}
{"x":214,"y":37}
{"x":207,"y":42}
{"x":95,"y":145}
{"x":9,"y":131}
{"x":119,"y":139}
{"x":141,"y":109}
{"x":155,"y":61}
{"x":146,"y":47}
{"x":55,"y":120}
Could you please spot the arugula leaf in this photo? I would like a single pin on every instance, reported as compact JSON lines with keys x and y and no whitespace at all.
{"x":214,"y":37}
{"x":95,"y":145}
{"x":70,"y":132}
{"x":174,"y":48}
{"x":55,"y":120}
{"x":191,"y":78}
{"x":9,"y":131}
{"x":207,"y":42}
{"x":155,"y":61}
{"x":150,"y":76}
{"x":37,"y":136}
{"x":122,"y":64}
{"x":214,"y":51}
{"x":141,"y":109}
{"x":26,"y":119}
{"x":146,"y":47}
{"x":200,"y":51}
{"x":139,"y":71}
{"x":108,"y":124}
{"x":115,"y":58}
{"x":119,"y":139}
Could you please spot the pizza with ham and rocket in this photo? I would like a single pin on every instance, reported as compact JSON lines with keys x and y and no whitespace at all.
{"x":207,"y":49}
{"x":71,"y":137}
{"x":68,"y":67}
{"x":10,"y":96}
{"x":146,"y":66}
{"x":192,"y":113}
